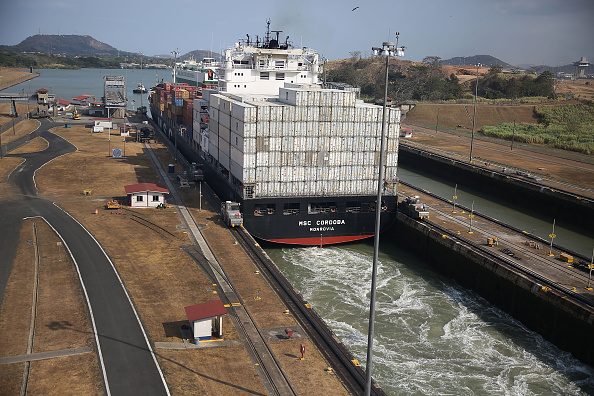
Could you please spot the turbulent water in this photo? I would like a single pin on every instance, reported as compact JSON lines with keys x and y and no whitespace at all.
{"x":433,"y":337}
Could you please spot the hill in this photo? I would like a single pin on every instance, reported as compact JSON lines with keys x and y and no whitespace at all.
{"x":66,"y":45}
{"x":484,"y":60}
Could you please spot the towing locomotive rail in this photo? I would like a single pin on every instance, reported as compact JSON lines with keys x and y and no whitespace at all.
{"x":523,"y":179}
{"x":576,"y":273}
{"x":336,"y":354}
{"x":334,"y":351}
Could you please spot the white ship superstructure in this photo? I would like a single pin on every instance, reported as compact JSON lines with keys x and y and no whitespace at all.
{"x":264,"y":67}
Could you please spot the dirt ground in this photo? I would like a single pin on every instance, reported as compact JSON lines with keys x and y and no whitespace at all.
{"x":162,"y":279}
{"x":20,"y":129}
{"x":10,"y":76}
{"x":62,"y":320}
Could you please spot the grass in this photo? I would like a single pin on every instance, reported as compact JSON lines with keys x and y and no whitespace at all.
{"x":567,"y":127}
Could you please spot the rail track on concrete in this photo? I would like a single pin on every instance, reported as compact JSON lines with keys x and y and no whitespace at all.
{"x":450,"y":157}
{"x":512,"y":260}
{"x":336,"y":354}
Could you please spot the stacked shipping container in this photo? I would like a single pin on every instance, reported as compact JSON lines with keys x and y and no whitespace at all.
{"x":308,"y":142}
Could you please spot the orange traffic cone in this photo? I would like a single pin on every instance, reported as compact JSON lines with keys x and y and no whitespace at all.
{"x":96,"y":211}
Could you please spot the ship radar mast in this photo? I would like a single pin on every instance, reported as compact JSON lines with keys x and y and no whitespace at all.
{"x":271,"y":40}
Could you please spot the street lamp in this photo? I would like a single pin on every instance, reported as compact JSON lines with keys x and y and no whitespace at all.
{"x":175,"y":54}
{"x":474,"y":116}
{"x":388,"y":49}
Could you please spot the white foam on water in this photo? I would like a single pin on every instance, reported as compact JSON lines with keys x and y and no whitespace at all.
{"x":431,"y":335}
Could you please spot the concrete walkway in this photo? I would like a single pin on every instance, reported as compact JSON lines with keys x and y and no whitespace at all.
{"x":44,"y":355}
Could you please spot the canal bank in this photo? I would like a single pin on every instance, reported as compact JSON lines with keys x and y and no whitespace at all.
{"x":521,"y":189}
{"x":531,"y":299}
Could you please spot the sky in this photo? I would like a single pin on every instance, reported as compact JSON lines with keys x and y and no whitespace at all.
{"x":519,"y":32}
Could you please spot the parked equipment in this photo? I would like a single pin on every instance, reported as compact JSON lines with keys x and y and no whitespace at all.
{"x":113,"y":204}
{"x":231,"y":214}
{"x":197,"y":172}
{"x":75,"y":115}
{"x":413,"y":207}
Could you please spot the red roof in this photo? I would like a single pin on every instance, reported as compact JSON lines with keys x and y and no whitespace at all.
{"x":42,"y":90}
{"x":205,"y":310}
{"x":63,"y":102}
{"x":143,"y":187}
{"x":82,"y":97}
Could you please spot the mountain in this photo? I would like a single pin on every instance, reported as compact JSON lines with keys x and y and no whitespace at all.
{"x":67,"y":44}
{"x":484,"y":60}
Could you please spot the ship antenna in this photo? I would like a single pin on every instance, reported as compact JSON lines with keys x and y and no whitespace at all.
{"x":267,"y":37}
{"x":248,"y":40}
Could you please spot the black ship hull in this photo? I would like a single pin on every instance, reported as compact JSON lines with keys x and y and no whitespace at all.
{"x":314,"y":221}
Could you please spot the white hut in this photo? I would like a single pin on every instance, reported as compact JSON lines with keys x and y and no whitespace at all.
{"x":145,"y":195}
{"x":206,"y":320}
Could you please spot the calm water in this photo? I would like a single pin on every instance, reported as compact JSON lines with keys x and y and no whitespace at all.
{"x":432,"y":336}
{"x":66,"y":84}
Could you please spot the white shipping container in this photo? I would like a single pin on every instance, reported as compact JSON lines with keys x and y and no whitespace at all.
{"x":213,"y":150}
{"x":325,"y":114}
{"x":225,"y":120}
{"x":261,"y":189}
{"x":313,"y":113}
{"x":237,"y":141}
{"x":275,"y":144}
{"x":261,"y":158}
{"x":312,"y":128}
{"x":311,"y":173}
{"x":392,"y":145}
{"x":392,"y":159}
{"x":286,"y":174}
{"x":215,"y":100}
{"x":213,"y":114}
{"x":288,"y":113}
{"x":263,"y":112}
{"x":237,"y":155}
{"x":324,"y":143}
{"x":224,"y":147}
{"x":326,"y":98}
{"x":349,"y":99}
{"x":249,"y":161}
{"x":249,"y":145}
{"x":243,"y":111}
{"x":301,"y":113}
{"x":311,"y":143}
{"x":274,"y":174}
{"x":224,"y":133}
{"x":225,"y":105}
{"x":348,"y":128}
{"x":274,"y":158}
{"x":299,"y":143}
{"x":369,"y":158}
{"x":213,"y":138}
{"x":300,"y":128}
{"x":287,"y":144}
{"x":301,"y":97}
{"x":391,"y":173}
{"x":263,"y":128}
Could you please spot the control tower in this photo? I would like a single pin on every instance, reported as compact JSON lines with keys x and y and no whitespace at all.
{"x":114,"y":96}
{"x":580,"y":67}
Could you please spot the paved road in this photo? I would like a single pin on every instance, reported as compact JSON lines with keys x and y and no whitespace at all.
{"x":127,"y":359}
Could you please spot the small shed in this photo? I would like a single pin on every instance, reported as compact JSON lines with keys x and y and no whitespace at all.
{"x":206,"y":319}
{"x":145,"y":195}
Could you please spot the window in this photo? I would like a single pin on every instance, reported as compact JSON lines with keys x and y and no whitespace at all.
{"x":155,"y":198}
{"x":139,"y":198}
{"x":264,"y":75}
{"x":280,"y":76}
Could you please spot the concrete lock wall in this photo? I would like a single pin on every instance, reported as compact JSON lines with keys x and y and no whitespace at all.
{"x":555,"y":203}
{"x":562,"y":322}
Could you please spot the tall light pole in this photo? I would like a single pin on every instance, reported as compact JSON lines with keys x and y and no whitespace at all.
{"x":388,"y":49}
{"x":474,"y":116}
{"x":175,"y":53}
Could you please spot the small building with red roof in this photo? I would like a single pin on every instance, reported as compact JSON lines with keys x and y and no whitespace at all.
{"x":145,"y":195}
{"x":82,"y":100}
{"x":206,"y":320}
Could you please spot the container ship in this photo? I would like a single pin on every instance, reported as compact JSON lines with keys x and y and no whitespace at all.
{"x":196,"y":73}
{"x":302,"y":160}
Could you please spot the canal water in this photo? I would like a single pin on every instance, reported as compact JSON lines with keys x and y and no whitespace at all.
{"x":433,"y":337}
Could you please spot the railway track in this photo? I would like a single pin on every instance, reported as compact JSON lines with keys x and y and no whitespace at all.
{"x":336,"y":354}
{"x":527,"y":180}
{"x":580,"y":277}
{"x":343,"y":363}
